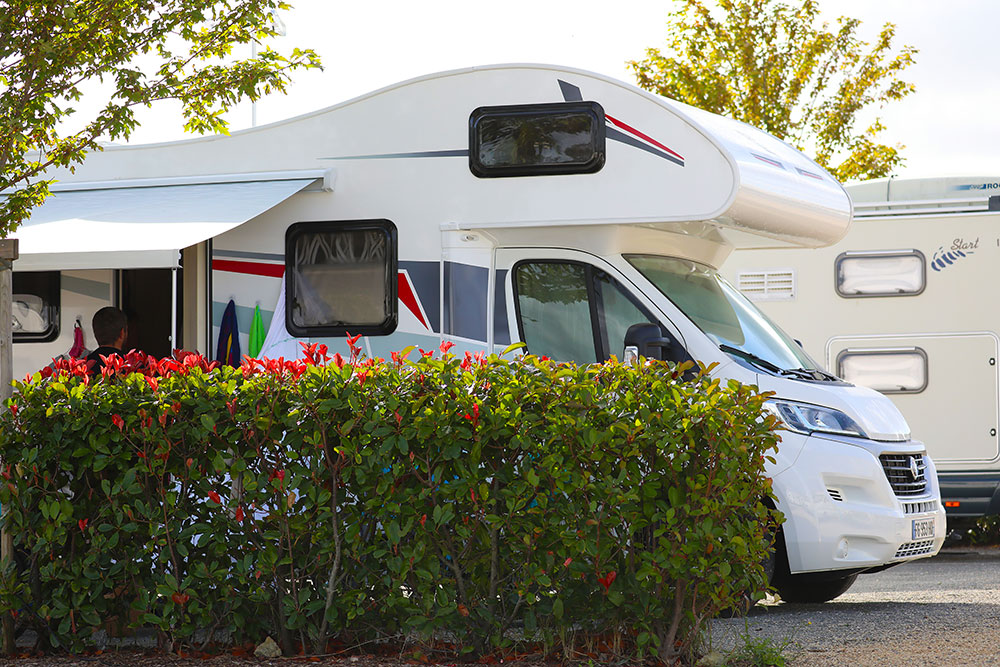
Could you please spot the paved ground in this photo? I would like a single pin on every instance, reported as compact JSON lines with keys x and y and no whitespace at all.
{"x":939,"y":611}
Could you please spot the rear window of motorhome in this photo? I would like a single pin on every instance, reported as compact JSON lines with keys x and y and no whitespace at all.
{"x":890,"y":371}
{"x":537,"y":139}
{"x":340,"y":277}
{"x":880,"y":273}
{"x":35,"y":306}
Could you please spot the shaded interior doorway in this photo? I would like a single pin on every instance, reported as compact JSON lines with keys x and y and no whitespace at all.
{"x":146,"y":296}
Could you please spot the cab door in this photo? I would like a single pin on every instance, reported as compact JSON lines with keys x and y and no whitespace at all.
{"x":569,"y":305}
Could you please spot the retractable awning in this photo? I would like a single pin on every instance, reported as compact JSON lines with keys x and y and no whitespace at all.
{"x":144,"y":224}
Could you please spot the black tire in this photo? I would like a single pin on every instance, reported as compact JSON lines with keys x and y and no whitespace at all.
{"x":804,"y":589}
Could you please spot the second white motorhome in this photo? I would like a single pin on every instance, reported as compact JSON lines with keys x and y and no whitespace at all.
{"x":906,"y":304}
{"x":486,"y":206}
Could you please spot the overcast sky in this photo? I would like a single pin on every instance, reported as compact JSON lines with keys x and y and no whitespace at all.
{"x":948,"y":126}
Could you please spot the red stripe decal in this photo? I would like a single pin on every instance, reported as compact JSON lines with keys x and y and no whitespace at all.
{"x":252,"y":268}
{"x":629,"y":128}
{"x":409,"y":299}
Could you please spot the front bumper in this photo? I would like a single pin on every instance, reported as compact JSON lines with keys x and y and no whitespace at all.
{"x":841,"y":512}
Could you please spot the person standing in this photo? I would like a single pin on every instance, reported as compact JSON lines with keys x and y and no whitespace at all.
{"x":110,"y":331}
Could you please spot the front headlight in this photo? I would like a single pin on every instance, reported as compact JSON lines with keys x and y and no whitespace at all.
{"x":805,"y":418}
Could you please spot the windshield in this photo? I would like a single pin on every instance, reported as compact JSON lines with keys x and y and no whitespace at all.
{"x":720,"y":310}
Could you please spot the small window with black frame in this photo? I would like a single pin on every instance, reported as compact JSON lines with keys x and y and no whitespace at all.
{"x":340,"y":278}
{"x":35,"y":306}
{"x":537,"y":139}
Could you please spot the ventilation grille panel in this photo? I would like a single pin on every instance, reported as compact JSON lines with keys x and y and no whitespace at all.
{"x":768,"y":285}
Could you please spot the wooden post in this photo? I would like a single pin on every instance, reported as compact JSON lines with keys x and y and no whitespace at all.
{"x":8,"y":253}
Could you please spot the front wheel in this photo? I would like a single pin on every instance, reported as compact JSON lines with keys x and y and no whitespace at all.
{"x":803,"y":588}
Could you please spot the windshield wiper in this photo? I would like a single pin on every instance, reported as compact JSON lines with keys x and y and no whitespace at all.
{"x":803,"y":373}
{"x":752,"y":358}
{"x":813,"y":373}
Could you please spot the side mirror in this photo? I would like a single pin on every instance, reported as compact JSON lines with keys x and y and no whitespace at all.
{"x":648,"y":340}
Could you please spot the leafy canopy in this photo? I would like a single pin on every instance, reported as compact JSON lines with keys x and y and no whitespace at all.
{"x":131,"y":52}
{"x":772,"y":65}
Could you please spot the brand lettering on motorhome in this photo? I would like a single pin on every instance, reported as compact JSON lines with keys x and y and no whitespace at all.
{"x":962,"y":244}
{"x":978,"y":186}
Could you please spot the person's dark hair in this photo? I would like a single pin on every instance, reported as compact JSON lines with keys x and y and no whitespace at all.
{"x":108,"y":323}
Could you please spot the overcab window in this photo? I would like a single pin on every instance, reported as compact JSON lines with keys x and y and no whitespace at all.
{"x":35,"y":306}
{"x":340,"y":277}
{"x":537,"y":139}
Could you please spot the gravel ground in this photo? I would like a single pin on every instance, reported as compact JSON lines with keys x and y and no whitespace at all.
{"x":938,"y":611}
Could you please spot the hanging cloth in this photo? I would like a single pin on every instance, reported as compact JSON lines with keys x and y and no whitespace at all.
{"x":257,"y":334}
{"x":228,"y":352}
{"x":78,"y":350}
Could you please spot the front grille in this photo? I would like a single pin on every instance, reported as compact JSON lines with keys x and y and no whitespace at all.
{"x":920,"y":508}
{"x":905,"y":473}
{"x":915,"y":549}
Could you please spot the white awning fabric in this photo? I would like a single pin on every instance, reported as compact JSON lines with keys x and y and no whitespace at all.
{"x":139,"y":227}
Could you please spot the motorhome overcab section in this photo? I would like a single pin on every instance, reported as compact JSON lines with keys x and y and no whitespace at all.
{"x":898,"y":305}
{"x":487,"y":206}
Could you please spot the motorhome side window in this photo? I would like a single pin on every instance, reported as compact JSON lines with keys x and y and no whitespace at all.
{"x":537,"y":139}
{"x":340,"y":277}
{"x":881,"y":273}
{"x":890,"y":370}
{"x":35,"y":306}
{"x":573,"y":312}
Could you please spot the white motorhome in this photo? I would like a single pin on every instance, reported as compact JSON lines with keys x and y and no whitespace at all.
{"x":901,"y":304}
{"x":486,"y":206}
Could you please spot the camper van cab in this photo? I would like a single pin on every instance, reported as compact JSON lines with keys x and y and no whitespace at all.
{"x":485,"y":206}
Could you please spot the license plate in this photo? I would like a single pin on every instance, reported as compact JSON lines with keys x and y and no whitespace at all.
{"x":923,"y":529}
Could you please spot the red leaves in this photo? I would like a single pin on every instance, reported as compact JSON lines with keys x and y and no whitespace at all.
{"x":180,"y":599}
{"x":239,"y":514}
{"x":316,"y":353}
{"x":474,"y":416}
{"x":607,"y":580}
{"x":13,"y":409}
{"x":231,"y":407}
{"x":445,"y":346}
{"x":83,"y":524}
{"x":118,"y":421}
{"x":215,"y":497}
{"x":153,"y":383}
{"x":567,"y":561}
{"x":423,"y":520}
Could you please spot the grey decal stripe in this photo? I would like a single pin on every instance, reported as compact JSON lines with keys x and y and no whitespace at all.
{"x":92,"y":288}
{"x":274,"y":257}
{"x":618,"y":135}
{"x":426,"y":277}
{"x":459,"y":152}
{"x":570,"y":92}
{"x":465,"y":300}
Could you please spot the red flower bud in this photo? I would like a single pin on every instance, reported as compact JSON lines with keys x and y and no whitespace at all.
{"x":180,"y":598}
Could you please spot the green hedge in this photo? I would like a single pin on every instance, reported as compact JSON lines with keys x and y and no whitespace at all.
{"x":484,"y":504}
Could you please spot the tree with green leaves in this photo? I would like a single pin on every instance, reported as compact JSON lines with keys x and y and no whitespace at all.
{"x":777,"y":67}
{"x":127,"y":54}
